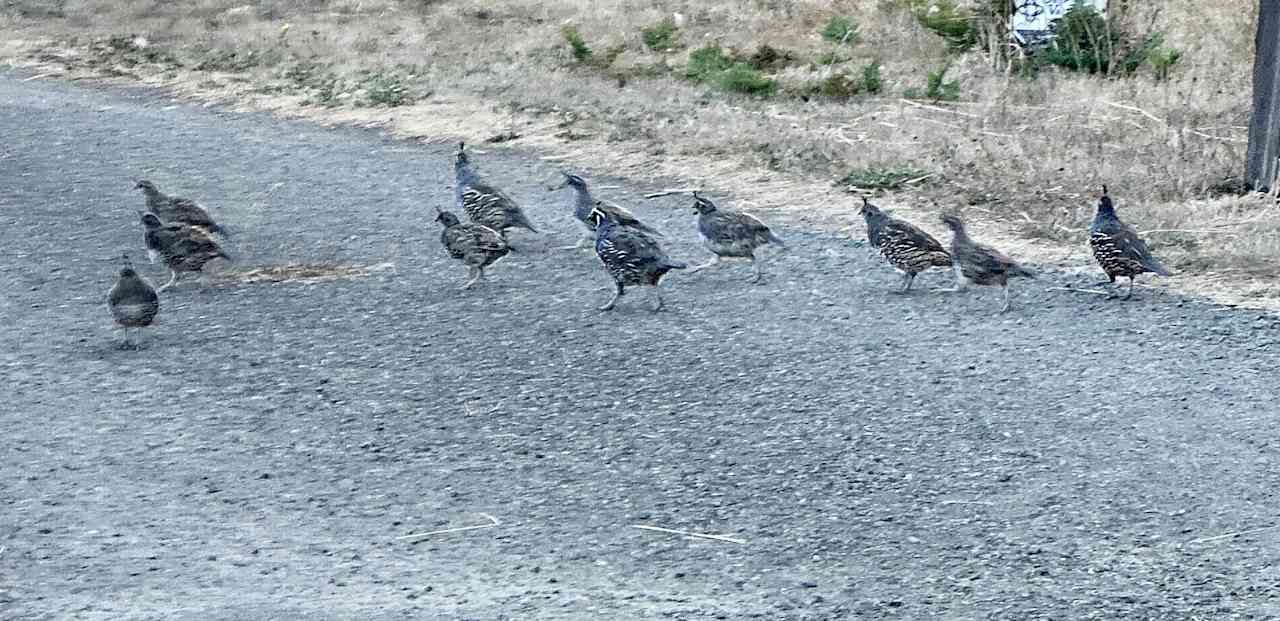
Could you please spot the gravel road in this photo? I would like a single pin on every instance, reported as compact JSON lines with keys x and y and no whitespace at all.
{"x":881,"y":456}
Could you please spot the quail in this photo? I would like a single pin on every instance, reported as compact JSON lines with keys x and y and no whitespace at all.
{"x":631,"y":257}
{"x":484,"y":204}
{"x":132,"y":300}
{"x":907,"y":248}
{"x":584,"y":202}
{"x":731,"y":234}
{"x":476,"y":245}
{"x":981,"y":264}
{"x":178,"y":209}
{"x":183,"y":248}
{"x":1117,"y":247}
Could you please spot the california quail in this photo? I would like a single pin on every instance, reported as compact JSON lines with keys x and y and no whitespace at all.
{"x":184,"y":248}
{"x":631,"y":257}
{"x":584,"y":202}
{"x":133,"y":301}
{"x":907,"y":248}
{"x":981,"y":264}
{"x":1117,"y":247}
{"x":476,"y":245}
{"x":484,"y":204}
{"x":178,"y":209}
{"x":731,"y":234}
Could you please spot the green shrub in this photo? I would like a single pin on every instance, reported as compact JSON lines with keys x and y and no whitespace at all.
{"x":830,"y":58}
{"x":742,"y":78}
{"x":706,"y":62}
{"x":1163,"y":60}
{"x":581,"y":51}
{"x":948,"y":20}
{"x":386,"y":88}
{"x":839,"y":86}
{"x":661,"y":36}
{"x":841,"y":30}
{"x":882,"y":178}
{"x":1084,"y":41}
{"x":871,"y":81}
{"x":937,"y":88}
{"x":766,"y":57}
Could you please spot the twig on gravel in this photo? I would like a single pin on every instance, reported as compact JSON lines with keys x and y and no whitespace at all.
{"x":1200,"y":232}
{"x":38,"y":76}
{"x":670,"y":192}
{"x":1230,"y":535}
{"x":689,"y":534}
{"x":493,"y":522}
{"x":966,"y":502}
{"x":1076,"y":290}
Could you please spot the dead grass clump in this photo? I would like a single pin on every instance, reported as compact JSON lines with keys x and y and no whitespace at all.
{"x":300,"y":272}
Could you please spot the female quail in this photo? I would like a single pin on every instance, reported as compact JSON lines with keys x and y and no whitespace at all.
{"x":476,"y":245}
{"x":907,"y":248}
{"x":132,"y":300}
{"x":731,"y":234}
{"x":981,"y":264}
{"x":183,"y":248}
{"x":177,"y":209}
{"x":484,"y":204}
{"x":584,"y":202}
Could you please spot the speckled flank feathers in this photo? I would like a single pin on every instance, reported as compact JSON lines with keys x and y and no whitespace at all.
{"x":132,"y":300}
{"x":171,"y":209}
{"x":584,"y":202}
{"x":907,"y":248}
{"x":731,"y":234}
{"x":484,"y":204}
{"x":476,"y":245}
{"x":631,"y":257}
{"x":183,"y":248}
{"x":981,"y":264}
{"x":1117,"y":247}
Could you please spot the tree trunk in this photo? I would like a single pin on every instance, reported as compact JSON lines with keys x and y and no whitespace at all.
{"x":1264,"y":129}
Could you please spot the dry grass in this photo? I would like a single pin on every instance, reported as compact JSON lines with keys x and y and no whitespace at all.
{"x":301,"y":272}
{"x":1024,"y":156}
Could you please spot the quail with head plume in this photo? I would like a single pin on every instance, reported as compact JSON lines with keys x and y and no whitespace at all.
{"x":1117,"y":247}
{"x":731,"y":234}
{"x":584,"y":202}
{"x":183,"y":248}
{"x":907,"y":248}
{"x":132,"y":300}
{"x":476,"y":245}
{"x":178,"y":209}
{"x":631,"y":257}
{"x":981,"y":264}
{"x":484,"y":204}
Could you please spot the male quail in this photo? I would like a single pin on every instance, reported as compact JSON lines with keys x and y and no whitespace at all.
{"x":484,"y":204}
{"x":476,"y":245}
{"x":731,"y":234}
{"x":631,"y":257}
{"x":177,"y":209}
{"x":1117,"y":247}
{"x":907,"y":248}
{"x":183,"y":248}
{"x":584,"y":202}
{"x":981,"y":264}
{"x":132,"y":300}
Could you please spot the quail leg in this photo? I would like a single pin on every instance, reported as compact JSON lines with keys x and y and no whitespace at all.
{"x":657,"y":294}
{"x":758,"y":268}
{"x":961,"y":282}
{"x":1130,"y":293}
{"x":715,"y":260}
{"x":614,"y":300}
{"x":173,"y":279}
{"x":907,"y":279}
{"x":1005,"y":308}
{"x":473,"y":276}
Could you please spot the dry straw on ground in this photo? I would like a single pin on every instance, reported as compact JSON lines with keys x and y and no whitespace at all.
{"x":1024,"y":157}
